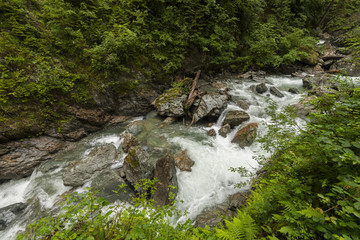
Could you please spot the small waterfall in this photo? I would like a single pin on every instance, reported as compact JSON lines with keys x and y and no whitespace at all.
{"x":210,"y":181}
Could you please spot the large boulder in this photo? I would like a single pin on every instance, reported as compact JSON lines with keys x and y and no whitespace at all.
{"x":183,"y":161}
{"x":137,"y":165}
{"x":235,"y":118}
{"x":171,"y":103}
{"x":165,"y":173}
{"x":19,"y":159}
{"x":111,"y":186}
{"x":246,"y":135}
{"x":211,"y":106}
{"x":81,"y":171}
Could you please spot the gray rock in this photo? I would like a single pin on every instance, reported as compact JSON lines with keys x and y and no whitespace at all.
{"x":9,"y":213}
{"x":165,"y":173}
{"x":137,"y":165}
{"x":167,"y":121}
{"x":276,"y":92}
{"x":183,"y":161}
{"x":81,"y":171}
{"x":225,"y":130}
{"x":294,"y":90}
{"x":261,"y":88}
{"x":246,"y":135}
{"x":19,"y":159}
{"x":211,"y":106}
{"x":170,"y":104}
{"x":135,"y":127}
{"x":235,"y":118}
{"x":108,"y":184}
{"x":346,"y":66}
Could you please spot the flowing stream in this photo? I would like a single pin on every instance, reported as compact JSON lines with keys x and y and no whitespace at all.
{"x":210,"y":181}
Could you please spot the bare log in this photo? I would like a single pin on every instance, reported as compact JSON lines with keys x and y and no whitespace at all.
{"x":192,"y":95}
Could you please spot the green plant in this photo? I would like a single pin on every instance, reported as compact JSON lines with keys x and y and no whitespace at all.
{"x":85,"y":216}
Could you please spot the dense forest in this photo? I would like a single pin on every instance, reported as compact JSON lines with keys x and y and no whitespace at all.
{"x":60,"y":53}
{"x":55,"y":53}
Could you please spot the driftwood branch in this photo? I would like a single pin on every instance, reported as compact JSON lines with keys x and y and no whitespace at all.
{"x":192,"y":95}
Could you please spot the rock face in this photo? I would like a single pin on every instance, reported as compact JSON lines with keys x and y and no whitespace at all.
{"x":109,"y":181}
{"x":170,"y":103}
{"x":261,"y":88}
{"x":235,"y":118}
{"x":246,"y":135}
{"x":165,"y":173}
{"x":225,"y":130}
{"x":9,"y":214}
{"x":137,"y":165}
{"x":211,"y":106}
{"x":346,"y":66}
{"x":129,"y":141}
{"x":19,"y":159}
{"x":276,"y":92}
{"x":183,"y":161}
{"x":90,"y":166}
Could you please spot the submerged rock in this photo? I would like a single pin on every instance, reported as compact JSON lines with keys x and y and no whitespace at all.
{"x":165,"y":173}
{"x":246,"y":135}
{"x":211,"y":133}
{"x":276,"y":92}
{"x":81,"y":171}
{"x":261,"y":88}
{"x":225,"y":130}
{"x":243,"y":104}
{"x":294,"y":90}
{"x":235,"y":118}
{"x":9,"y":213}
{"x":183,"y":161}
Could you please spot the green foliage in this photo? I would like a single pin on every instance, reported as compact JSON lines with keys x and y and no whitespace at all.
{"x":84,"y":216}
{"x":241,"y":227}
{"x":310,"y":186}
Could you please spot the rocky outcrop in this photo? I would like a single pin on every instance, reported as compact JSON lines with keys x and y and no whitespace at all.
{"x":235,"y":118}
{"x":170,"y":103}
{"x":165,"y":173}
{"x":137,"y":165}
{"x":81,"y":171}
{"x":9,"y":214}
{"x":19,"y":159}
{"x":276,"y":92}
{"x":246,"y":135}
{"x":211,"y":105}
{"x":346,"y":66}
{"x":183,"y":161}
{"x":111,"y":186}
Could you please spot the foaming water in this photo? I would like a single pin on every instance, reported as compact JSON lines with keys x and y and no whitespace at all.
{"x":210,"y":182}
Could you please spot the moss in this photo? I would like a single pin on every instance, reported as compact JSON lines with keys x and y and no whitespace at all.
{"x":169,"y":95}
{"x":131,"y":158}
